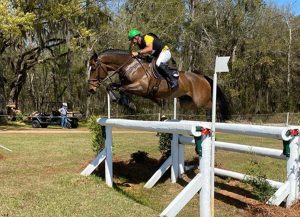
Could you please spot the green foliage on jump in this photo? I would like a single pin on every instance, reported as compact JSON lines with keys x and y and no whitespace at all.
{"x":261,"y":187}
{"x":165,"y":144}
{"x":98,"y":142}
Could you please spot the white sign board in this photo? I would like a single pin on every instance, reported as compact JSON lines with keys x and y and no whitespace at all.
{"x":221,"y":64}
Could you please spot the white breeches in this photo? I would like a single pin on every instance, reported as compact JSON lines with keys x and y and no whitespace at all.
{"x":164,"y":57}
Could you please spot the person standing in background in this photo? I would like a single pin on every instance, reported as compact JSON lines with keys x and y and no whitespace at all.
{"x":63,"y":114}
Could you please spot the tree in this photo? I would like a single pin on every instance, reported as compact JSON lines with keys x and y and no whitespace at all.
{"x":61,"y":29}
{"x":13,"y":23}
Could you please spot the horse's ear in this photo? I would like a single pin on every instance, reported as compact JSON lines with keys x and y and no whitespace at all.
{"x":95,"y":56}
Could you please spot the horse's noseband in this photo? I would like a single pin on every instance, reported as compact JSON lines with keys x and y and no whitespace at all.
{"x":98,"y":79}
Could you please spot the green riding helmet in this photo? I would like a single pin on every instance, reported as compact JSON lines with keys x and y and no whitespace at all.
{"x":132,"y":33}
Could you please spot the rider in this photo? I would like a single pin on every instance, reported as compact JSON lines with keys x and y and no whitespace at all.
{"x":150,"y":44}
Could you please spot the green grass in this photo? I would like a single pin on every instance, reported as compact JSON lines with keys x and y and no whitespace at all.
{"x":41,"y":176}
{"x":274,"y":169}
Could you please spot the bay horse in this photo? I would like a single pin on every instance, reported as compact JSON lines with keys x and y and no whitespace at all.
{"x":138,"y":77}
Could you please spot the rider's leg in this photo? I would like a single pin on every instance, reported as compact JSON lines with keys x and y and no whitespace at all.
{"x":162,"y":65}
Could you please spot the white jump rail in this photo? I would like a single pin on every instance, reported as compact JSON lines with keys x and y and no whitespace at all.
{"x":251,"y":130}
{"x":200,"y":183}
{"x":153,"y":126}
{"x":289,"y":190}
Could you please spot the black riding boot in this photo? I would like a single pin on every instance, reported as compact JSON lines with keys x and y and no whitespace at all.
{"x":164,"y":70}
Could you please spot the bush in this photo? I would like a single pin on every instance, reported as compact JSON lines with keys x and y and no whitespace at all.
{"x":261,"y":187}
{"x":98,"y":142}
{"x":165,"y":144}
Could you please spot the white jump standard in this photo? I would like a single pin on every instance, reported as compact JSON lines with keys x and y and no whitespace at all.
{"x":192,"y":132}
{"x":200,"y":182}
{"x":153,"y":126}
{"x":289,"y":190}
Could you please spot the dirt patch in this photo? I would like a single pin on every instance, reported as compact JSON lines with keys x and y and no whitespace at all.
{"x":1,"y":157}
{"x":45,"y":131}
{"x":239,"y":194}
{"x":262,"y":210}
{"x":59,"y":130}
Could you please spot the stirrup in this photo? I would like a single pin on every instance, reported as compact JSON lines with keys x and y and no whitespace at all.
{"x":173,"y":84}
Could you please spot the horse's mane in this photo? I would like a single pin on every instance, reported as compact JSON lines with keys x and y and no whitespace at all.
{"x":115,"y":51}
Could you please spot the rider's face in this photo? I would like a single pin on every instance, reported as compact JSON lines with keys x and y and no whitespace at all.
{"x":135,"y":40}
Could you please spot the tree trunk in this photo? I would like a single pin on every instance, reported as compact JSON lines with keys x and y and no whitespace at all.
{"x":3,"y":117}
{"x":32,"y":94}
{"x":88,"y":98}
{"x":16,"y":87}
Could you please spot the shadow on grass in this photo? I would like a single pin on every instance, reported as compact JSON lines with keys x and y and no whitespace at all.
{"x":134,"y":172}
{"x":235,"y":189}
{"x":231,"y":201}
{"x":130,"y":172}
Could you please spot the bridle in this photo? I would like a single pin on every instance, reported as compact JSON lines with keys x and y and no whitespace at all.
{"x":98,"y":79}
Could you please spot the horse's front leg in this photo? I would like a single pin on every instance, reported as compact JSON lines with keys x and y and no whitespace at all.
{"x":114,"y":86}
{"x":126,"y":91}
{"x":112,"y":89}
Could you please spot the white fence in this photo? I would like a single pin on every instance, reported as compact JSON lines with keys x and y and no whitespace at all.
{"x":181,"y":131}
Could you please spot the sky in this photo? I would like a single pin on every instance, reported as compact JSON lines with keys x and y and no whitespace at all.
{"x":294,"y":3}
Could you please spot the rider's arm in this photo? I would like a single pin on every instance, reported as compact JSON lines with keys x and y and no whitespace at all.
{"x":149,"y":45}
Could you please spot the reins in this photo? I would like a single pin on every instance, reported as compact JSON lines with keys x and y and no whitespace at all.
{"x":108,"y":77}
{"x":101,"y":82}
{"x":146,"y":71}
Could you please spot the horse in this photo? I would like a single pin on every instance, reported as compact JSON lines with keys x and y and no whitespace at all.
{"x":138,"y":77}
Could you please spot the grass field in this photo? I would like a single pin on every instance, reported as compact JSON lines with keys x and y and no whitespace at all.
{"x":41,"y":176}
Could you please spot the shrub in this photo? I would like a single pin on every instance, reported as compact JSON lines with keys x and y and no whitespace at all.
{"x":98,"y":142}
{"x":261,"y":187}
{"x":165,"y":144}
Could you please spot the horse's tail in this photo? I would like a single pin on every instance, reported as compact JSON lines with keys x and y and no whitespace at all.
{"x":222,"y":102}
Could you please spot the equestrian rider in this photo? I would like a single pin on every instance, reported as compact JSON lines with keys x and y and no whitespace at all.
{"x":151,"y":44}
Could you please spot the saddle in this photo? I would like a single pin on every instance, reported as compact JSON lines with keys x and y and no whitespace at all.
{"x":169,"y":73}
{"x":154,"y":83}
{"x":171,"y":66}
